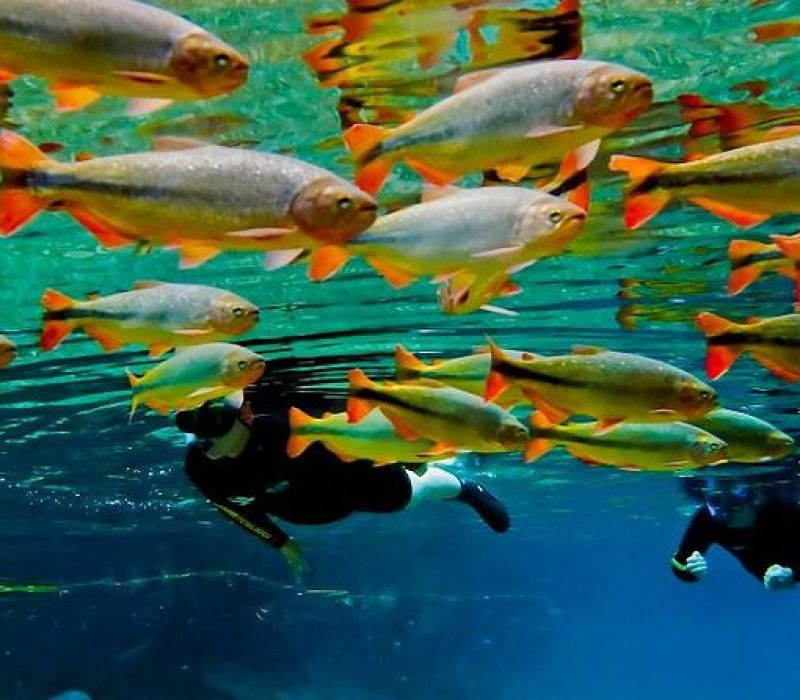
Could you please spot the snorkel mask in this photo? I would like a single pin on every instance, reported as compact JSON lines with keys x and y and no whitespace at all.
{"x":723,"y":504}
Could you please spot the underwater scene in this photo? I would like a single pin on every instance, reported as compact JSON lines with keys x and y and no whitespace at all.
{"x":391,"y":349}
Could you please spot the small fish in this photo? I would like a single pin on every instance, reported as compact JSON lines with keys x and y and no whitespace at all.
{"x":745,"y":186}
{"x":467,"y":373}
{"x":464,"y":293}
{"x":194,"y":196}
{"x":452,"y":418}
{"x":751,"y":259}
{"x":373,"y":438}
{"x":477,"y":232}
{"x":195,"y":375}
{"x":505,"y":119}
{"x":635,"y":446}
{"x":158,"y":314}
{"x":8,"y":351}
{"x":610,"y":386}
{"x":774,"y":342}
{"x":750,"y":439}
{"x":86,"y":48}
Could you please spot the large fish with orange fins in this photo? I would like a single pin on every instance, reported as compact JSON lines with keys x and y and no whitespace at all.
{"x":505,"y":119}
{"x":610,"y":386}
{"x":159,"y":314}
{"x":200,"y":198}
{"x":774,"y":342}
{"x":89,"y":48}
{"x":745,"y":186}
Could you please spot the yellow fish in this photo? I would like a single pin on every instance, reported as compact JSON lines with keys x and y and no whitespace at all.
{"x":452,"y":418}
{"x":750,"y":439}
{"x":372,"y":438}
{"x":8,"y":351}
{"x":610,"y":386}
{"x":86,"y":49}
{"x":195,"y":375}
{"x":158,"y":314}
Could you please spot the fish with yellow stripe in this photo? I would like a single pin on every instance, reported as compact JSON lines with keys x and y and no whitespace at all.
{"x":629,"y":445}
{"x":372,"y":438}
{"x":197,"y":197}
{"x":506,"y":119}
{"x":160,"y":315}
{"x":451,"y":418}
{"x":87,"y":48}
{"x":774,"y":342}
{"x":195,"y":375}
{"x":750,"y":439}
{"x":607,"y":385}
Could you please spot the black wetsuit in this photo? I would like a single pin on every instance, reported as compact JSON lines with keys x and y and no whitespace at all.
{"x":314,"y":488}
{"x":774,"y":538}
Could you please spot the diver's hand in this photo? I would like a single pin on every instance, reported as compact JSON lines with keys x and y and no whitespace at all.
{"x":778,"y":578}
{"x":696,"y":565}
{"x":293,"y":555}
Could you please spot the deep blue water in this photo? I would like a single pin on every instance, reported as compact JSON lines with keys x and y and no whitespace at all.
{"x":158,"y":597}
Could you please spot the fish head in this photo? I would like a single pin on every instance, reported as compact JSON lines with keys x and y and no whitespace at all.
{"x":512,"y":433}
{"x":779,"y":444}
{"x":695,"y":398}
{"x":708,"y":449}
{"x":551,"y":221}
{"x":241,"y":367}
{"x":611,"y":96}
{"x":208,"y":66}
{"x":231,"y":314}
{"x":331,"y":210}
{"x":8,"y":352}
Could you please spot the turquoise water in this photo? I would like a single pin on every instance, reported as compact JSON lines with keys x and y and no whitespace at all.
{"x":158,"y":597}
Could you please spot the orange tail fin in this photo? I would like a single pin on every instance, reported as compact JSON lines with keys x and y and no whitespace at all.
{"x":17,"y":204}
{"x":719,"y":358}
{"x":407,"y":364}
{"x":358,"y":408}
{"x":297,"y":444}
{"x":363,"y":141}
{"x":743,"y":276}
{"x":643,"y":206}
{"x":712,"y":325}
{"x":739,"y":249}
{"x":788,"y":245}
{"x":55,"y":329}
{"x":538,"y":445}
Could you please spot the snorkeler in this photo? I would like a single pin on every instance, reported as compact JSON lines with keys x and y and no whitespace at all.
{"x":237,"y":455}
{"x":752,"y":522}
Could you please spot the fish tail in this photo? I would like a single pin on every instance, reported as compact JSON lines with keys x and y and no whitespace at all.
{"x":719,"y":358}
{"x":744,"y":273}
{"x":496,"y":383}
{"x":571,"y":180}
{"x":56,"y":327}
{"x":407,"y":363}
{"x":788,"y":245}
{"x":640,"y":206}
{"x":539,"y":445}
{"x":18,"y":157}
{"x":297,"y":444}
{"x":364,"y":141}
{"x":358,"y":408}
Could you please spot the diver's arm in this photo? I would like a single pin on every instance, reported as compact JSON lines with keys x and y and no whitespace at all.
{"x":699,"y":536}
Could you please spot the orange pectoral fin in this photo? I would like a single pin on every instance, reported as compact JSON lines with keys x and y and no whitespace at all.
{"x":371,"y":176}
{"x":393,"y":275}
{"x":403,"y":429}
{"x":326,"y":262}
{"x":536,"y":448}
{"x":106,"y":233}
{"x":195,"y":254}
{"x":740,"y":217}
{"x":553,"y":413}
{"x":719,"y":359}
{"x":432,"y":174}
{"x":513,"y":172}
{"x":70,"y":98}
{"x":787,"y":373}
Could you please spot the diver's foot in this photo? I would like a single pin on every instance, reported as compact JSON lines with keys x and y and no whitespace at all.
{"x":490,"y":510}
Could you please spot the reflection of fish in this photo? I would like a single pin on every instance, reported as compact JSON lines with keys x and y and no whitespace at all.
{"x":87,"y":48}
{"x":640,"y":446}
{"x":776,"y":31}
{"x":8,"y":351}
{"x":158,"y":314}
{"x":195,"y":375}
{"x":610,"y":386}
{"x":749,"y":439}
{"x":450,"y":417}
{"x":745,"y":186}
{"x":774,"y":342}
{"x":193,"y":198}
{"x":478,"y":231}
{"x":507,"y":119}
{"x":372,"y":438}
{"x":751,"y":259}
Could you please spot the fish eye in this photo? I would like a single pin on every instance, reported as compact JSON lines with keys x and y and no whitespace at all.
{"x":618,"y":86}
{"x":344,"y":203}
{"x":238,"y":311}
{"x":242,"y":365}
{"x":705,"y":395}
{"x":555,"y":217}
{"x":222,"y":61}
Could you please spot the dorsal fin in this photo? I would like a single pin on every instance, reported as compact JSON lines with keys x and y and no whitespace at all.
{"x":587,"y":350}
{"x":176,"y":143}
{"x":147,"y":284}
{"x":472,"y":79}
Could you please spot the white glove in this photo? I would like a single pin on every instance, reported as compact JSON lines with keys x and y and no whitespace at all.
{"x":778,"y":578}
{"x":696,"y":565}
